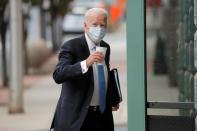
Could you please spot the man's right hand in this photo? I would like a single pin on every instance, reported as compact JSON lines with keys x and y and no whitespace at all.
{"x":94,"y":57}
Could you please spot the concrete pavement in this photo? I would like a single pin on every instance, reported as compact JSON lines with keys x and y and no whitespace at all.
{"x":39,"y":103}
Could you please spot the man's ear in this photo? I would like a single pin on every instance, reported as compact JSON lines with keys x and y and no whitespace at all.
{"x":85,"y":26}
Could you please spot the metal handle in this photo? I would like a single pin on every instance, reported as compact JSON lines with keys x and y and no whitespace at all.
{"x":171,"y":105}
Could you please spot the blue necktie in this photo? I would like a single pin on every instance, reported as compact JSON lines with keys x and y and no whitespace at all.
{"x":101,"y":82}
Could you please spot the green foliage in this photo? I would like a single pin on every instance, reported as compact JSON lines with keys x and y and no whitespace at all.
{"x":34,"y":2}
{"x":63,"y":5}
{"x":59,"y":8}
{"x":3,"y":3}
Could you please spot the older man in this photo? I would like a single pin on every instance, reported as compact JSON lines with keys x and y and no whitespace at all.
{"x":85,"y":100}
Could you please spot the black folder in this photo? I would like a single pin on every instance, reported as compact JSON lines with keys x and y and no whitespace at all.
{"x":116,"y":95}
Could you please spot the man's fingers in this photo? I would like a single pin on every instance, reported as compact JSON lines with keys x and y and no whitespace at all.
{"x":98,"y":54}
{"x":115,"y":108}
{"x":97,"y":57}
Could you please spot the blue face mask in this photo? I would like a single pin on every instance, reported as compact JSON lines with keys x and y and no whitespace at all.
{"x":96,"y":34}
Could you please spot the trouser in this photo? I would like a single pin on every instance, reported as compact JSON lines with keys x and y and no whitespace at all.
{"x":95,"y":121}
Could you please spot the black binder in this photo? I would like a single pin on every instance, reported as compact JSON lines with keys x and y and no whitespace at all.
{"x":116,"y":90}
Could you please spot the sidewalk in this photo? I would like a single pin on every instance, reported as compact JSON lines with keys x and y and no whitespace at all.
{"x":40,"y":98}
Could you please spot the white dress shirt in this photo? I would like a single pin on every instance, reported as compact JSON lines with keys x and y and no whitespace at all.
{"x":92,"y":48}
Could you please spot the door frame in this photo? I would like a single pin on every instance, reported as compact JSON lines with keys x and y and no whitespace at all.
{"x":136,"y":64}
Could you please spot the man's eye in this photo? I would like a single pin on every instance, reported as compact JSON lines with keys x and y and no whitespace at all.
{"x":94,"y":25}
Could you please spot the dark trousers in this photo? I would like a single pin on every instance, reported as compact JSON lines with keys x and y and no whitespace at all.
{"x":95,"y":121}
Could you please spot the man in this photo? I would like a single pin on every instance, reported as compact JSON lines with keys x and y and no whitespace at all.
{"x":81,"y":106}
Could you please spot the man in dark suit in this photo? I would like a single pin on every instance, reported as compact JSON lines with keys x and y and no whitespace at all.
{"x":85,"y":100}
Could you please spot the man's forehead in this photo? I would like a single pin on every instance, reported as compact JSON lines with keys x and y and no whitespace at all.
{"x":96,"y":15}
{"x":96,"y":11}
{"x":94,"y":19}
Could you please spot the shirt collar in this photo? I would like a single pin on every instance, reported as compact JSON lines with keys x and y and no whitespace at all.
{"x":90,"y":43}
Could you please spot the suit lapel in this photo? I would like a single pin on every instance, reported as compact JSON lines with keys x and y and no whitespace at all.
{"x":85,"y":48}
{"x":102,"y":44}
{"x":86,"y":52}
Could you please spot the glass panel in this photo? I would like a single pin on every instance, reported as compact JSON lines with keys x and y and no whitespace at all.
{"x":171,"y":50}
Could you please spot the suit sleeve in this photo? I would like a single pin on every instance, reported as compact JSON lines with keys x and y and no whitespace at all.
{"x":67,"y":68}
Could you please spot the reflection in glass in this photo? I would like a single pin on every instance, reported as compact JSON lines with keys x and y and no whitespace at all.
{"x":171,"y":50}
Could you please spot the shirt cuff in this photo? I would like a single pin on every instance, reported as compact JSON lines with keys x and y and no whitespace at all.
{"x":84,"y":68}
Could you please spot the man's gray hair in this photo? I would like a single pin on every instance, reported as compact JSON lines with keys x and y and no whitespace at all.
{"x":95,"y":10}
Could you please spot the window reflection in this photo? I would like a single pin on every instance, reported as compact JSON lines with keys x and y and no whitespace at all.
{"x":171,"y":50}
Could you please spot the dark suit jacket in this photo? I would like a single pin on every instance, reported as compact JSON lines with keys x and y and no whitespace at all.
{"x":77,"y":88}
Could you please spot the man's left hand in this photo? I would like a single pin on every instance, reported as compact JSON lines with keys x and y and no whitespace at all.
{"x":116,"y":107}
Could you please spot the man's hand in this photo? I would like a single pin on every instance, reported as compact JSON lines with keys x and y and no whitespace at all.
{"x":116,"y":107}
{"x":95,"y":57}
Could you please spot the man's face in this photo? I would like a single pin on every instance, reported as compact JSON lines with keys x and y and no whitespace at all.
{"x":95,"y":20}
